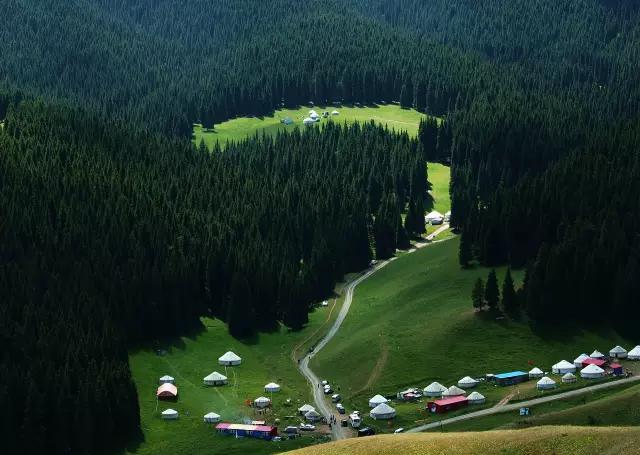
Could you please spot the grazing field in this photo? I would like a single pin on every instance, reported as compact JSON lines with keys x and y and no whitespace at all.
{"x":439,"y":175}
{"x":562,"y":439}
{"x":412,"y":323}
{"x":189,"y":359}
{"x":239,"y":128}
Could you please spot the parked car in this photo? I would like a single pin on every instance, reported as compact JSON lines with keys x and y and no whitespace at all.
{"x":328,"y":389}
{"x":276,"y":438}
{"x":307,"y":427}
{"x":336,"y":398}
{"x":340,"y":408}
{"x":399,"y":430}
{"x":291,"y":430}
{"x":366,"y":432}
{"x":344,"y":422}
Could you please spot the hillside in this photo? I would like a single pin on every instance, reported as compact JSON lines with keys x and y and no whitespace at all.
{"x":565,"y":440}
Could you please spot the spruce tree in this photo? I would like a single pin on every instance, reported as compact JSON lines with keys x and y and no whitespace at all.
{"x":491,"y":291}
{"x":477,"y":294}
{"x":509,"y":297}
{"x":464,"y":254}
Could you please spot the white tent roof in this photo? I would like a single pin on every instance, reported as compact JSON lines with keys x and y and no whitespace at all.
{"x":434,"y":387}
{"x":166,"y":378}
{"x":581,"y":358}
{"x":212,"y":415}
{"x":312,"y":112}
{"x":382,"y":409}
{"x":306,"y":408}
{"x":546,"y":381}
{"x":335,"y":112}
{"x":561,"y":365}
{"x":378,"y":399}
{"x":592,"y":369}
{"x":215,"y":376}
{"x":308,"y":120}
{"x":618,"y":350}
{"x":467,"y":380}
{"x":272,"y":385}
{"x":475,"y":396}
{"x":454,"y":391}
{"x":569,"y":376}
{"x":635,"y":351}
{"x":536,"y":370}
{"x":262,"y":400}
{"x":597,"y":354}
{"x":434,"y":215}
{"x":312,"y":413}
{"x":229,"y":357}
{"x":169,"y":412}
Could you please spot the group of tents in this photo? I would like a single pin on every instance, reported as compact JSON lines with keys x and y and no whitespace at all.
{"x":315,"y":117}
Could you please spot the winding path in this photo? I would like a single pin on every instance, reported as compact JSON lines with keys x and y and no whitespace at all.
{"x":322,"y":406}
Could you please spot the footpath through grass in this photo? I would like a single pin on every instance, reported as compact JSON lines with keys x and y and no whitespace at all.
{"x":412,"y":323}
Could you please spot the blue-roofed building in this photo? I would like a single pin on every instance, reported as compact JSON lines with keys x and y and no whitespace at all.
{"x":513,"y":377}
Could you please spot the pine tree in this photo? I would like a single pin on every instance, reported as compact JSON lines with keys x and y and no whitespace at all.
{"x":509,"y":297}
{"x":477,"y":294}
{"x":240,"y":314}
{"x":465,"y":255}
{"x":491,"y":291}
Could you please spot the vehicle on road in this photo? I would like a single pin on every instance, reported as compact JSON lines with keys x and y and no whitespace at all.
{"x":307,"y":427}
{"x":336,"y":398}
{"x":340,"y":408}
{"x":355,"y":420}
{"x":366,"y":432}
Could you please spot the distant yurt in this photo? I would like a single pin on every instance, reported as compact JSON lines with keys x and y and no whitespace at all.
{"x":546,"y":383}
{"x":597,"y":355}
{"x":167,"y":391}
{"x":618,"y":353}
{"x":169,"y":414}
{"x":377,"y":400}
{"x":634,"y":354}
{"x":569,"y":378}
{"x":229,"y":359}
{"x":434,"y":216}
{"x":314,"y":117}
{"x":476,"y":398}
{"x":305,"y":408}
{"x":382,"y":412}
{"x":335,"y":112}
{"x":312,"y":112}
{"x":261,"y":402}
{"x":536,"y":373}
{"x":272,"y":387}
{"x":214,"y":379}
{"x":453,"y":391}
{"x":578,"y":361}
{"x":212,"y":417}
{"x":435,"y":389}
{"x":308,"y":121}
{"x":167,"y":380}
{"x":563,"y":367}
{"x":467,"y":382}
{"x":592,"y":372}
{"x":312,"y":416}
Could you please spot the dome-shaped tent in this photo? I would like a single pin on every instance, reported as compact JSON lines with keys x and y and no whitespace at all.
{"x":435,"y":389}
{"x":618,"y":353}
{"x":592,"y":372}
{"x":229,"y":359}
{"x":382,"y":412}
{"x":634,"y":354}
{"x":569,"y":378}
{"x":272,"y":387}
{"x":169,"y":414}
{"x":305,"y":408}
{"x":212,"y":417}
{"x":312,"y":415}
{"x":546,"y":383}
{"x":453,"y":391}
{"x":308,"y":121}
{"x":578,"y":361}
{"x":167,"y":379}
{"x":335,"y":112}
{"x":167,"y":391}
{"x":467,"y":382}
{"x":597,"y":355}
{"x":476,"y":398}
{"x":377,"y":400}
{"x":261,"y":402}
{"x":563,"y":367}
{"x":215,"y":378}
{"x":536,"y":373}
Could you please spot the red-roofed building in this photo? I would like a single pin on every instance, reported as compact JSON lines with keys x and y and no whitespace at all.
{"x":252,"y":431}
{"x":617,"y":369}
{"x":447,"y":404}
{"x":597,"y":362}
{"x":167,"y":391}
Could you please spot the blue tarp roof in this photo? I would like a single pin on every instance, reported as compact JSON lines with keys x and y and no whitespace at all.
{"x":513,"y":374}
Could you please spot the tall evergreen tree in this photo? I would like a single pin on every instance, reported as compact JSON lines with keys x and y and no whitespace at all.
{"x":477,"y":294}
{"x":465,"y":255}
{"x":491,"y":291}
{"x":509,"y":297}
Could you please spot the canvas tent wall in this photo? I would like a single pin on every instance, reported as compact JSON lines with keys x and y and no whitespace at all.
{"x":382,"y":412}
{"x":169,"y":414}
{"x":467,"y":382}
{"x":229,"y":358}
{"x":476,"y":398}
{"x":312,"y":416}
{"x":435,"y":389}
{"x":261,"y":402}
{"x":618,"y":353}
{"x":272,"y":387}
{"x":578,"y":361}
{"x":214,"y":379}
{"x":563,"y":367}
{"x":592,"y":372}
{"x":305,"y":408}
{"x":211,"y":417}
{"x":536,"y":373}
{"x":569,"y":378}
{"x":308,"y":121}
{"x":377,"y":400}
{"x":546,"y":383}
{"x":167,"y":380}
{"x":634,"y":354}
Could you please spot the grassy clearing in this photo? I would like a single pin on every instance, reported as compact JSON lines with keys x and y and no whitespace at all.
{"x":569,"y":440}
{"x":239,"y":128}
{"x":416,"y":315}
{"x":439,"y":176}
{"x":189,"y":359}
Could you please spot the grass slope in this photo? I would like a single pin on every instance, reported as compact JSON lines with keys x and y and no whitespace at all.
{"x":189,"y":359}
{"x":412,"y":323}
{"x":439,"y":176}
{"x":549,"y":440}
{"x":239,"y":128}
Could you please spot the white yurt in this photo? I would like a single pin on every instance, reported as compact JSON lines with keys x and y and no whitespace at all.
{"x":467,"y":382}
{"x":382,"y":412}
{"x":314,"y":117}
{"x":435,"y":389}
{"x":634,"y":354}
{"x":312,"y":112}
{"x":592,"y":372}
{"x":167,"y":379}
{"x":312,"y":416}
{"x":215,"y":378}
{"x":305,"y":408}
{"x":581,"y":358}
{"x":261,"y":402}
{"x":272,"y":387}
{"x":546,"y":383}
{"x":536,"y":373}
{"x":377,"y":400}
{"x":434,"y":216}
{"x":229,"y":358}
{"x":563,"y":367}
{"x":453,"y":391}
{"x":308,"y":121}
{"x":212,"y":417}
{"x":597,"y":355}
{"x":569,"y":378}
{"x":169,"y":414}
{"x":335,"y":113}
{"x":618,"y":353}
{"x":476,"y":398}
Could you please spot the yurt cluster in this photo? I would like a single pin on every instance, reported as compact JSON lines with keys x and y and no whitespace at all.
{"x":314,"y":117}
{"x":588,"y":367}
{"x":168,"y":390}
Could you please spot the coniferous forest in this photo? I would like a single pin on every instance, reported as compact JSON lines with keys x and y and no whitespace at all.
{"x":115,"y":230}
